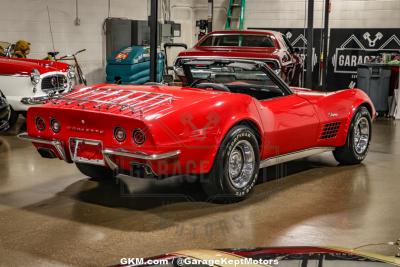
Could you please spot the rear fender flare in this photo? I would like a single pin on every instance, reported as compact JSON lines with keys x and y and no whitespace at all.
{"x":249,"y":121}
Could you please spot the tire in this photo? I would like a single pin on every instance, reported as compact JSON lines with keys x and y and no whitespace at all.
{"x":13,"y":117}
{"x":358,"y":138}
{"x":96,"y":172}
{"x":227,"y":181}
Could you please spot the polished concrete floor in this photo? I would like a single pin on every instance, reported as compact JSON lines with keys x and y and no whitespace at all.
{"x":51,"y":215}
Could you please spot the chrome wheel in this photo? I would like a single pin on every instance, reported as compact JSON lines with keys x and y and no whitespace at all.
{"x":361,"y":135}
{"x":241,"y":164}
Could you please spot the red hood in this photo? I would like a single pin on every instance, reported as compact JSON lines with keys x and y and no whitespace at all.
{"x":237,"y":52}
{"x":24,"y":66}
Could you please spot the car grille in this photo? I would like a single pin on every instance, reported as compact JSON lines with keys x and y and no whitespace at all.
{"x":54,"y":84}
{"x":330,"y":130}
{"x":272,"y":63}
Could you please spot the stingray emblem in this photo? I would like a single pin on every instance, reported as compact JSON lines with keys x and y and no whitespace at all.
{"x":331,"y":114}
{"x":372,"y":42}
{"x":83,"y":121}
{"x":200,"y":132}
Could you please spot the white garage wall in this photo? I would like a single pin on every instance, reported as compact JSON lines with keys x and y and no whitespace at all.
{"x":27,"y":19}
{"x":344,"y":13}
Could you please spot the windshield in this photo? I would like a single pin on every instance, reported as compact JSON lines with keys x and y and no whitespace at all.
{"x":236,"y":77}
{"x":240,"y":40}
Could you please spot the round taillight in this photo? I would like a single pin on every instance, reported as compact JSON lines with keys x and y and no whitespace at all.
{"x":55,"y":125}
{"x":119,"y":134}
{"x":40,"y":124}
{"x":139,"y":137}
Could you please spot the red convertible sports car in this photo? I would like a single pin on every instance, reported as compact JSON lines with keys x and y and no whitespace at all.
{"x":236,"y":117}
{"x":270,"y":47}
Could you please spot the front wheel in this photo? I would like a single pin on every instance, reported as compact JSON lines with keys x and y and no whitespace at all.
{"x":13,"y":117}
{"x":358,"y":138}
{"x":96,"y":172}
{"x":235,"y":167}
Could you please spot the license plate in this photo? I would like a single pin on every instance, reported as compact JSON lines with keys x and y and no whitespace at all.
{"x":86,"y":151}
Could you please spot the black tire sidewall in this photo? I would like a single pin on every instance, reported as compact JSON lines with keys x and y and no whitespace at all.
{"x":234,"y":136}
{"x":361,"y":112}
{"x":13,"y":117}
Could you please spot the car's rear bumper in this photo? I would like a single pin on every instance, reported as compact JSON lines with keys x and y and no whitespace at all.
{"x":108,"y":154}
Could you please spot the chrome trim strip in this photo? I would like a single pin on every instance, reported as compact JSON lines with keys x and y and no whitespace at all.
{"x":141,"y":155}
{"x":34,"y":100}
{"x":56,"y":144}
{"x":293,"y":156}
{"x":16,"y":75}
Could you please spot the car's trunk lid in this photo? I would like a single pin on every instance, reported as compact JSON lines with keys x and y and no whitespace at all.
{"x":148,"y":102}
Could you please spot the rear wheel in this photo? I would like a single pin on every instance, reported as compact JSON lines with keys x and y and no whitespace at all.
{"x":358,"y":138}
{"x":96,"y":172}
{"x":235,"y":167}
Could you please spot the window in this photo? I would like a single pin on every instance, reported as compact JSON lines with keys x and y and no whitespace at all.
{"x":240,"y":40}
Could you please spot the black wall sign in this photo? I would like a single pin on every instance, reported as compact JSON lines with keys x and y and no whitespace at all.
{"x":297,"y":37}
{"x":347,"y":49}
{"x":350,"y":47}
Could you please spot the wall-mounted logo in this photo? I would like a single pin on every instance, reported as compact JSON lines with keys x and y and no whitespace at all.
{"x":372,"y":42}
{"x":354,"y":51}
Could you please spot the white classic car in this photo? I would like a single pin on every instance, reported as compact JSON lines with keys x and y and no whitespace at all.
{"x":25,"y":82}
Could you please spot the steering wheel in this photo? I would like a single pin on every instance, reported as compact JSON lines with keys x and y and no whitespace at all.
{"x":207,"y":83}
{"x":214,"y":86}
{"x":197,"y":81}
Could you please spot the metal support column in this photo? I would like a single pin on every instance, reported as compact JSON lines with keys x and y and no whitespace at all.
{"x":153,"y":23}
{"x":210,"y":15}
{"x":326,"y":40}
{"x":310,"y":41}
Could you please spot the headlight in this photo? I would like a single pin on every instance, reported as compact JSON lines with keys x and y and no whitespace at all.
{"x":65,"y":83}
{"x":35,"y":77}
{"x":71,"y":72}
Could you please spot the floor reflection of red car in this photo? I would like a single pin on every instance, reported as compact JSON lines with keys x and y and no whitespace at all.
{"x":268,"y":46}
{"x":278,"y":256}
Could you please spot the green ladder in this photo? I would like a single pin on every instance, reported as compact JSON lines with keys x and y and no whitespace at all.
{"x":232,"y":14}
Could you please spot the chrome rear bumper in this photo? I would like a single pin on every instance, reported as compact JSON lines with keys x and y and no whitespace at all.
{"x":107,"y":153}
{"x":59,"y":147}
